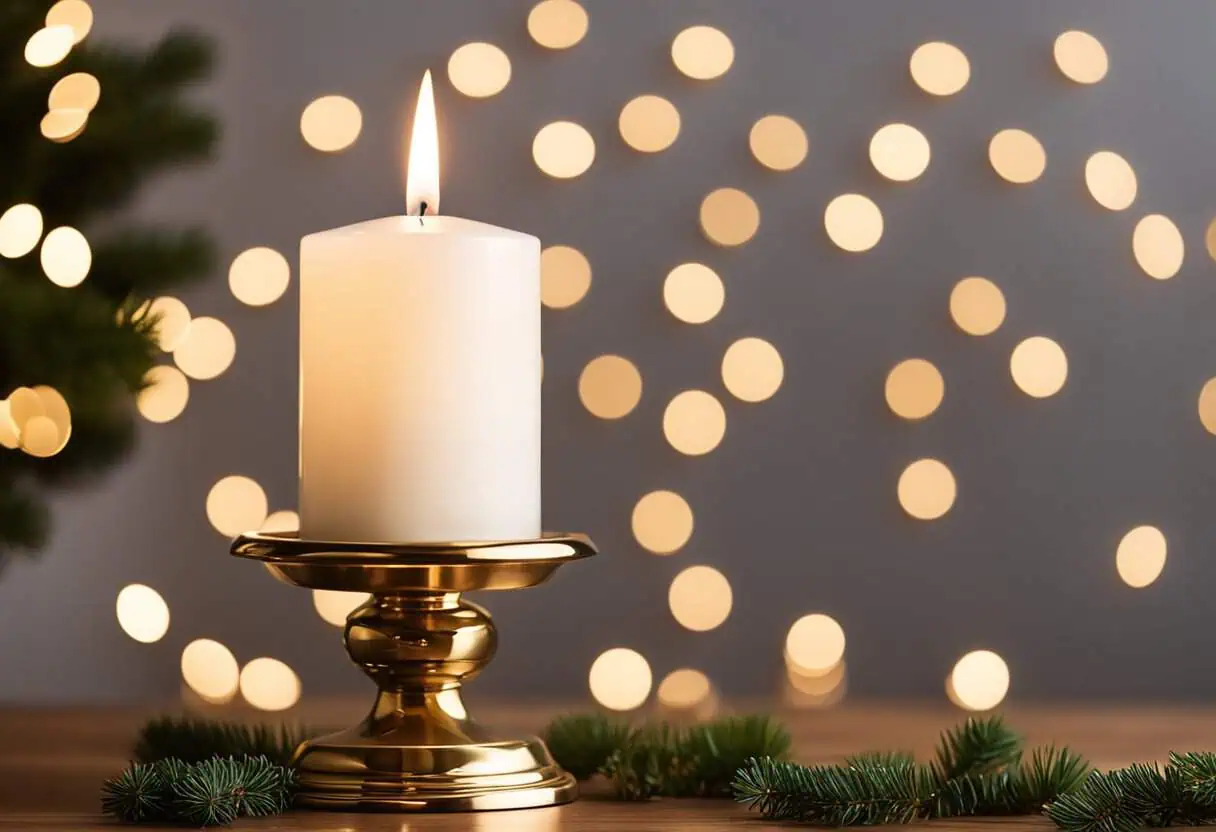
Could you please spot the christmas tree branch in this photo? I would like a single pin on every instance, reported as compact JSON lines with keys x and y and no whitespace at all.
{"x":194,"y":740}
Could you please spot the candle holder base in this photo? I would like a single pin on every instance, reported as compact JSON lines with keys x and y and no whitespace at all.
{"x":419,"y":641}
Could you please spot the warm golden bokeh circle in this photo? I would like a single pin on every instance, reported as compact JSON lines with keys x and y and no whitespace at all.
{"x":610,"y":386}
{"x":684,"y":688}
{"x":729,"y":217}
{"x":702,"y":52}
{"x":236,"y":504}
{"x":1039,"y":367}
{"x":210,"y":670}
{"x":700,"y":598}
{"x":940,"y":68}
{"x":259,"y":276}
{"x":1158,"y":246}
{"x":649,"y":123}
{"x":557,"y":24}
{"x":20,"y":230}
{"x":778,"y":142}
{"x":479,"y":70}
{"x":899,"y":152}
{"x":927,"y":489}
{"x":331,"y":123}
{"x":914,"y":388}
{"x":207,"y":349}
{"x":1207,"y":406}
{"x":662,"y":522}
{"x":694,"y":422}
{"x":694,"y":293}
{"x":980,"y":680}
{"x":1111,"y":180}
{"x":977,"y":306}
{"x":1017,"y":156}
{"x":565,"y":276}
{"x":752,"y":369}
{"x":563,"y":149}
{"x":142,"y":613}
{"x":853,"y":222}
{"x":1081,"y":57}
{"x":620,"y":679}
{"x":1140,"y":557}
{"x":269,"y":684}
{"x":814,"y":644}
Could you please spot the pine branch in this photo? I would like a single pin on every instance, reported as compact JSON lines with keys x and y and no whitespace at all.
{"x":136,"y":795}
{"x":195,"y":740}
{"x":582,"y":744}
{"x":978,"y":746}
{"x":868,"y":792}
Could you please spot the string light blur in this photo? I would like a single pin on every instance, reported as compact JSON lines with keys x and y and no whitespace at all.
{"x":1111,"y":180}
{"x":899,"y":152}
{"x":172,"y":321}
{"x":702,"y":52}
{"x":66,"y":257}
{"x":207,"y":349}
{"x":164,"y":395}
{"x":684,"y":688}
{"x":853,"y":222}
{"x":662,"y":522}
{"x":816,"y":690}
{"x":815,"y":644}
{"x":914,"y":388}
{"x":977,"y":306}
{"x":41,"y":438}
{"x":1081,"y":57}
{"x":1157,"y":244}
{"x":752,"y":369}
{"x":927,"y":489}
{"x":479,"y":70}
{"x":980,"y":680}
{"x":649,"y":123}
{"x":610,"y":386}
{"x":1209,"y":239}
{"x":693,"y":293}
{"x":62,"y":126}
{"x":236,"y":504}
{"x":1140,"y":557}
{"x":557,"y":24}
{"x":283,"y":520}
{"x":75,"y":14}
{"x":331,"y":123}
{"x":729,"y":217}
{"x":1207,"y":406}
{"x":50,"y":45}
{"x":1017,"y":156}
{"x":620,"y":679}
{"x":700,"y":598}
{"x":210,"y":670}
{"x":142,"y":613}
{"x":1039,"y":367}
{"x":778,"y":142}
{"x":940,"y":68}
{"x":694,"y":422}
{"x":259,"y":276}
{"x":20,"y":230}
{"x":269,"y":684}
{"x":565,"y":276}
{"x":334,"y":606}
{"x":563,"y":149}
{"x":78,"y":91}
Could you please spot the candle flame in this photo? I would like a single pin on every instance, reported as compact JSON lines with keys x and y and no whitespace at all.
{"x":422,"y":178}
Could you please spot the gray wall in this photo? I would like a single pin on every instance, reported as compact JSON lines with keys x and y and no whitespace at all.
{"x":797,"y":505}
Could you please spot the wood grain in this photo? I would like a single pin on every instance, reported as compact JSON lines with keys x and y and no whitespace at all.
{"x":53,"y":761}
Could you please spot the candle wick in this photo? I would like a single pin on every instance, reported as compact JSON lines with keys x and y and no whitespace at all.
{"x":421,"y":212}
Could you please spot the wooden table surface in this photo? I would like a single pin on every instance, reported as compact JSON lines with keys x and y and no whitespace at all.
{"x":52,"y":763}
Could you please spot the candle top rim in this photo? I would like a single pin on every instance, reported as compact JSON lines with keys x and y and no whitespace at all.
{"x":437,"y":225}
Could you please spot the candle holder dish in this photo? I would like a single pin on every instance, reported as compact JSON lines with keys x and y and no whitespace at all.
{"x":419,"y":641}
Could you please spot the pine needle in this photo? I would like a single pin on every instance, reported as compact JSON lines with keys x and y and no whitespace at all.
{"x":194,"y":740}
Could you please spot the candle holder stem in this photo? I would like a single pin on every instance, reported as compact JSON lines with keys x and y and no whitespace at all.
{"x":419,"y":640}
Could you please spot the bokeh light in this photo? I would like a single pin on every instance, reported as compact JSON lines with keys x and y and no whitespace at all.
{"x":610,"y":386}
{"x":9,"y":437}
{"x":816,"y":690}
{"x":283,"y":520}
{"x":778,"y":142}
{"x":815,"y":644}
{"x":565,"y":276}
{"x":1111,"y":180}
{"x":49,"y":46}
{"x":479,"y":70}
{"x":1207,"y":406}
{"x":210,"y":670}
{"x":694,"y":293}
{"x":55,"y":407}
{"x":700,"y":598}
{"x":702,"y":52}
{"x":165,"y":394}
{"x":729,"y":217}
{"x":76,"y":14}
{"x":142,"y":613}
{"x":62,"y":126}
{"x":980,"y":680}
{"x":20,"y":230}
{"x":927,"y":489}
{"x":853,"y":222}
{"x":1141,"y":556}
{"x":66,"y":257}
{"x":649,"y":123}
{"x":269,"y":685}
{"x":620,"y":679}
{"x":41,"y":437}
{"x":694,"y":422}
{"x":684,"y":688}
{"x":557,"y":24}
{"x":752,"y":369}
{"x":1157,"y":244}
{"x":1039,"y":367}
{"x":563,"y":149}
{"x":1209,"y":239}
{"x":662,"y":522}
{"x":207,"y":350}
{"x":977,"y":306}
{"x":331,"y":123}
{"x":914,"y":388}
{"x":259,"y":276}
{"x":899,"y":152}
{"x":24,"y":404}
{"x":939,"y":68}
{"x":78,"y":91}
{"x":1017,"y":156}
{"x":172,"y":321}
{"x":236,"y":504}
{"x":1081,"y":57}
{"x":334,"y":606}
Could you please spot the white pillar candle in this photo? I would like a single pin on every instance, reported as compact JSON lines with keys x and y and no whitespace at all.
{"x":420,"y":373}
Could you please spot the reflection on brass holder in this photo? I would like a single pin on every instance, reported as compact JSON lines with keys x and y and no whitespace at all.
{"x":419,"y":641}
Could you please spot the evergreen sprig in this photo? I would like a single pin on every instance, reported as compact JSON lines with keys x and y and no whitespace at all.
{"x":193,"y":740}
{"x":213,"y":792}
{"x":662,"y":759}
{"x":1182,"y":793}
{"x":978,"y":770}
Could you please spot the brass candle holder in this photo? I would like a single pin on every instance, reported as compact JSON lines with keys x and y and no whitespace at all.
{"x":419,"y":641}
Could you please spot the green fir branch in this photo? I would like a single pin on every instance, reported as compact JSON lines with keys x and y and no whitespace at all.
{"x":582,"y":743}
{"x":194,"y":740}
